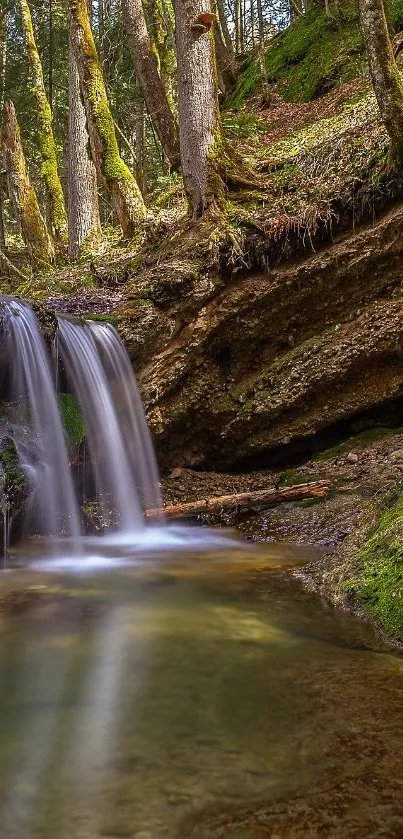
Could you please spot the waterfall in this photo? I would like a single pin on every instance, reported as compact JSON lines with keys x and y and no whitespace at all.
{"x":54,"y":507}
{"x":119,"y":443}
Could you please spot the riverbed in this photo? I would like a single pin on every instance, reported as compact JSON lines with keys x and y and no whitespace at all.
{"x":201,"y":695}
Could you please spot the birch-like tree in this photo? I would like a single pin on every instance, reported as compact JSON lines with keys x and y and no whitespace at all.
{"x":83,"y":209}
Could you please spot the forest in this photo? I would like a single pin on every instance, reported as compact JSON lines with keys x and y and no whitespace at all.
{"x":201,"y":419}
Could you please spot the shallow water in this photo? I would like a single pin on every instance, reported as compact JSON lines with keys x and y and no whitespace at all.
{"x":159,"y":699}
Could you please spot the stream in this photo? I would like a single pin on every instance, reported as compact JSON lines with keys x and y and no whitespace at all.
{"x":194,"y":695}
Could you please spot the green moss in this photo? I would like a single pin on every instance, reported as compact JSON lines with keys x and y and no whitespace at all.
{"x":46,"y":141}
{"x":376,"y":581}
{"x":289,"y":478}
{"x":72,"y":418}
{"x":110,"y":318}
{"x":317,"y":52}
{"x":14,"y":483}
{"x":356,"y":442}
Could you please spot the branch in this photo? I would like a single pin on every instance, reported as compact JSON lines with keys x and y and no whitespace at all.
{"x":10,"y":267}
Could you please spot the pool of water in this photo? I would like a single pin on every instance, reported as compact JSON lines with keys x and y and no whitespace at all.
{"x":189,"y":695}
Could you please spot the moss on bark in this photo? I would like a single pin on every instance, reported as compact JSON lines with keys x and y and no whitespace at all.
{"x":116,"y":176}
{"x":23,"y":195}
{"x":46,"y":141}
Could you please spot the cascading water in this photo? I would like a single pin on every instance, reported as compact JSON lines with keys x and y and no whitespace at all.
{"x":133,"y":424}
{"x":118,"y":439}
{"x":119,"y":444}
{"x":54,"y":507}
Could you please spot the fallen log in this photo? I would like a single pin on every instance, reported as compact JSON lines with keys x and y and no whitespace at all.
{"x":243,"y":501}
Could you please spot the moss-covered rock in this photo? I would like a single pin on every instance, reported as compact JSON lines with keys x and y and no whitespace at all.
{"x":72,"y":419}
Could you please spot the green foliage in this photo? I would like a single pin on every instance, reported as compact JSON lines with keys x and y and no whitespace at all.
{"x":72,"y":418}
{"x":289,"y":478}
{"x":356,"y":442}
{"x":377,"y":579}
{"x":316,"y":53}
{"x":243,"y":126}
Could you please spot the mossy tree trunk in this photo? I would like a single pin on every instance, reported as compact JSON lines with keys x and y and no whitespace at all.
{"x":119,"y":182}
{"x":46,"y":141}
{"x":84,"y":221}
{"x":385,"y":75}
{"x":199,"y":121}
{"x":22,"y":194}
{"x":149,"y":80}
{"x":161,"y":30}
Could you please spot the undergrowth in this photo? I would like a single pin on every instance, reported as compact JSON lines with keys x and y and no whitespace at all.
{"x":318,"y":52}
{"x":377,"y":575}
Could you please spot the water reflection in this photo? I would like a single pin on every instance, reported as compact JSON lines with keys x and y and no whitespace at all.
{"x":133,"y":702}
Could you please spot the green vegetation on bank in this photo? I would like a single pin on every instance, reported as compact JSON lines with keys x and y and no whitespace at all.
{"x":317,"y":53}
{"x":377,"y":575}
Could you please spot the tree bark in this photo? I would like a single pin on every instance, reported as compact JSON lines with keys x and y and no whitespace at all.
{"x":386,"y":78}
{"x":119,"y":182}
{"x":47,"y":147}
{"x":225,"y":63}
{"x":162,"y":43}
{"x":22,"y":194}
{"x":199,"y":122}
{"x":262,"y":55}
{"x":242,"y":501}
{"x":83,"y":210}
{"x":140,"y":162}
{"x":238,"y":26}
{"x":225,"y":31}
{"x":149,"y":80}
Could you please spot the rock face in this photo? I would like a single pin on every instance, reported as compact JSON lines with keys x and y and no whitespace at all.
{"x":234,"y":368}
{"x":13,"y":487}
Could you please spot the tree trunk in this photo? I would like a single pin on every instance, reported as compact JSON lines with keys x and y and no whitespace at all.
{"x":199,"y":123}
{"x":225,"y":62}
{"x":84,"y":221}
{"x":119,"y":182}
{"x":262,"y":55}
{"x":47,"y":147}
{"x":22,"y":194}
{"x":163,"y":46}
{"x":146,"y":69}
{"x":50,"y":54}
{"x":238,"y":26}
{"x":3,"y":55}
{"x":140,"y":129}
{"x":386,"y":78}
{"x":225,"y":31}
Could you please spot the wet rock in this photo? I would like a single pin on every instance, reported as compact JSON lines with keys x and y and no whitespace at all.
{"x":14,"y":488}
